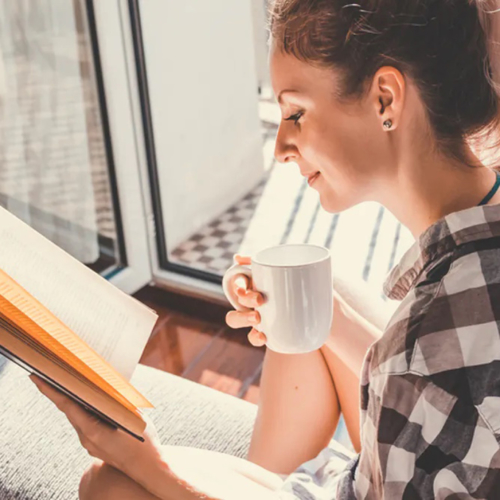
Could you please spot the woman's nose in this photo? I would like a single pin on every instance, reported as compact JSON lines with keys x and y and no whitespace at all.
{"x":284,"y":150}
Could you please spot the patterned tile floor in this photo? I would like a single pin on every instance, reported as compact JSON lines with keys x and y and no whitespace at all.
{"x":213,"y":247}
{"x":365,"y":240}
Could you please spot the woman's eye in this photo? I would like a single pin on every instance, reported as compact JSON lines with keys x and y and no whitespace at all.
{"x":295,"y":117}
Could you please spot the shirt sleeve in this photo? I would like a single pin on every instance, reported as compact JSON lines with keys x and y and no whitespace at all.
{"x":433,"y":444}
{"x":318,"y":479}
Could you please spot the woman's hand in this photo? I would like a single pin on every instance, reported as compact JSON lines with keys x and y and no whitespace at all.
{"x":250,"y":298}
{"x":113,"y":446}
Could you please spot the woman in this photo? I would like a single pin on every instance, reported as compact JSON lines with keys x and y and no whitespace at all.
{"x":381,"y":101}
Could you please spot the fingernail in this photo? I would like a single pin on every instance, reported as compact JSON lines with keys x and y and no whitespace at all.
{"x":259,"y":340}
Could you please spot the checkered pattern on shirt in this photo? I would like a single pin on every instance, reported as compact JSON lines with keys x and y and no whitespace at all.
{"x":430,"y":423}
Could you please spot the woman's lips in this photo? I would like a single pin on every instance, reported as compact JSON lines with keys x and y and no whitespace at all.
{"x":313,"y":177}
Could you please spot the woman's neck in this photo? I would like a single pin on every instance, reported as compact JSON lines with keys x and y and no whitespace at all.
{"x":420,"y":195}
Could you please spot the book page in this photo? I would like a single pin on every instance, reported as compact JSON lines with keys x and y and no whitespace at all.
{"x":114,"y":324}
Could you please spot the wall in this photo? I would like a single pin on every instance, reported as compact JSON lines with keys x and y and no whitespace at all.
{"x":203,"y":87}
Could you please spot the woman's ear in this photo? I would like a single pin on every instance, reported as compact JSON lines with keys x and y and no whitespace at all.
{"x":389,"y":91}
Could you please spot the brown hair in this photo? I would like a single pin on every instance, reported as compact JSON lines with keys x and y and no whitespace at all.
{"x":440,"y":44}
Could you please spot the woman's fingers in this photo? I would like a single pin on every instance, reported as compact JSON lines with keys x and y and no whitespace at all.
{"x":91,"y":431}
{"x":242,"y":260}
{"x":63,"y":402}
{"x":249,"y":298}
{"x":241,"y":282}
{"x":77,"y":416}
{"x":243,"y":286}
{"x":242,"y":319}
{"x":257,"y":338}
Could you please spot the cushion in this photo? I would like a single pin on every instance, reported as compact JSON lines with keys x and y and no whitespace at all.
{"x":41,"y":456}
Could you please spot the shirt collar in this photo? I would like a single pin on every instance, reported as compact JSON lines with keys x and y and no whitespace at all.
{"x":441,"y":238}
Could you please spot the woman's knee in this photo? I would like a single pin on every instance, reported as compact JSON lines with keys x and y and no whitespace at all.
{"x":88,"y":480}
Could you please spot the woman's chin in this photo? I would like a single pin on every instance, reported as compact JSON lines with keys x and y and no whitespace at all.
{"x":330,"y":197}
{"x":331,"y":203}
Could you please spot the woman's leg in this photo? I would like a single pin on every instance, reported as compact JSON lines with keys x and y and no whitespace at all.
{"x":210,"y":475}
{"x":302,"y":395}
{"x":348,"y":393}
{"x":298,"y":411}
{"x":362,"y":316}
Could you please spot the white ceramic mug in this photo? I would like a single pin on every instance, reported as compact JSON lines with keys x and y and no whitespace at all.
{"x":296,"y":281}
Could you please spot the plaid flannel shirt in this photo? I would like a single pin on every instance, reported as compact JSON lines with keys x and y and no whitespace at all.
{"x":430,"y":387}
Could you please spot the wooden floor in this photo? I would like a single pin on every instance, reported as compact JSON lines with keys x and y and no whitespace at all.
{"x":192,"y":340}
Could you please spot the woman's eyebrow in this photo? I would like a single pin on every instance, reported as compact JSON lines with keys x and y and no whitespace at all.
{"x":284,"y":92}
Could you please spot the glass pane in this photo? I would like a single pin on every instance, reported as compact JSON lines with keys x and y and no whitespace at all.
{"x":53,"y":166}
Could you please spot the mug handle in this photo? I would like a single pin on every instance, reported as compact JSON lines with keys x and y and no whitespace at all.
{"x":227,"y":282}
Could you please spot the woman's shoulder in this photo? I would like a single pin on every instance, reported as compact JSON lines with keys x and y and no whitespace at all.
{"x":448,"y":323}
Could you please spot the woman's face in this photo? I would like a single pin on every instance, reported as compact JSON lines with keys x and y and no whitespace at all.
{"x":344,"y":143}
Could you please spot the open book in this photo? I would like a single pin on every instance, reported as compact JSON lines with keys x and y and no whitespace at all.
{"x":70,"y":326}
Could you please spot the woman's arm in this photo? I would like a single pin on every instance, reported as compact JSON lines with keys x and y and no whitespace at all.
{"x":344,"y":352}
{"x":153,"y":471}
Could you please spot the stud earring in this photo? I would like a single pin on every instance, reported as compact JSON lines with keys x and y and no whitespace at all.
{"x":388,"y":124}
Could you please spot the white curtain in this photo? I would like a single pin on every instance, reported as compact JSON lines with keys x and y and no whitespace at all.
{"x":45,"y":163}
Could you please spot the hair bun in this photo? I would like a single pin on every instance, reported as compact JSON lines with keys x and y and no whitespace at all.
{"x":489,"y":16}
